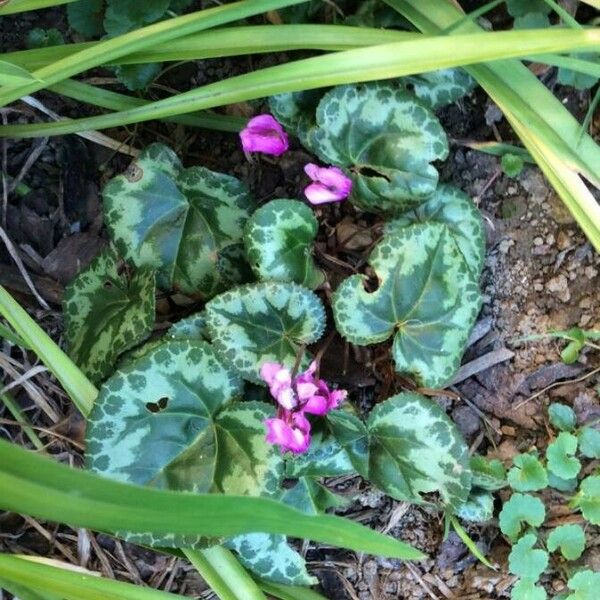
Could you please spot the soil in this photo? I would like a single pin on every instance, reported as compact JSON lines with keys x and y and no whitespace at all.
{"x":540,"y":274}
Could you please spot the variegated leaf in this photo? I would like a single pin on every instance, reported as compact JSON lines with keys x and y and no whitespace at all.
{"x":296,"y":111}
{"x":439,"y":88}
{"x":478,"y":508}
{"x":107,"y":312}
{"x":428,"y":299}
{"x":263,"y":322}
{"x":388,"y":140}
{"x":453,"y":208}
{"x":190,"y":328}
{"x":414,"y":448}
{"x":310,"y":497}
{"x":178,"y":221}
{"x":170,"y":420}
{"x":278,"y":239}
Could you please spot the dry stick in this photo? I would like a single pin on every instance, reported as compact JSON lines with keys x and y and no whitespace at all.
{"x":557,"y":384}
{"x":33,"y":156}
{"x":45,"y":430}
{"x":23,"y":378}
{"x":417,"y":574}
{"x":15,"y":256}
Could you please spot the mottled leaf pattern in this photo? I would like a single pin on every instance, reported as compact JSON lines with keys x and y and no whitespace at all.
{"x":278,"y":239}
{"x":427,"y":298}
{"x":487,"y":474}
{"x":178,"y":221}
{"x":478,"y":508}
{"x":107,"y":313}
{"x":439,"y":88}
{"x":263,"y":322}
{"x":296,"y":112}
{"x":387,"y":138}
{"x":454,"y":209}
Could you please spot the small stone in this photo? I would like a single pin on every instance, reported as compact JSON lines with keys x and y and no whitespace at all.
{"x":550,"y":239}
{"x":538,"y":287}
{"x":559,"y":287}
{"x":505,"y":245}
{"x":585,"y":320}
{"x":538,"y":241}
{"x":590,"y":272}
{"x":563,"y":240}
{"x":585,"y":302}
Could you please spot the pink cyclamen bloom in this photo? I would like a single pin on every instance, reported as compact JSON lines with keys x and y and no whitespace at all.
{"x":291,"y":434}
{"x":264,"y":134}
{"x":330,"y":184}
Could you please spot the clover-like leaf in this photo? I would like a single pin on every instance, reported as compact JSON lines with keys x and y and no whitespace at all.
{"x":427,"y":299}
{"x":478,"y":508}
{"x":588,"y":499}
{"x":85,"y":17}
{"x":451,"y":207}
{"x":107,"y":312}
{"x":439,"y":88}
{"x":560,"y":456}
{"x":525,"y":589}
{"x":278,"y":239}
{"x":126,"y":15}
{"x":562,"y":416}
{"x":520,"y":509}
{"x":414,"y":448}
{"x":589,"y":442}
{"x":526,"y":561}
{"x":388,"y":140}
{"x":585,"y":585}
{"x":570,"y":539}
{"x":488,"y":474}
{"x":177,"y":221}
{"x":263,"y":322}
{"x":528,"y":474}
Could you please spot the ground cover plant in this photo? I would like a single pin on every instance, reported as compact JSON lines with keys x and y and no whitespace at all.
{"x":215,"y":340}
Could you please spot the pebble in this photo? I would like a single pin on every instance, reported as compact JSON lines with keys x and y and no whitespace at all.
{"x":559,"y":287}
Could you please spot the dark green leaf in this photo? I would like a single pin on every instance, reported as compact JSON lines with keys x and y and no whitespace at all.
{"x":44,"y":38}
{"x":86,"y":16}
{"x":518,"y":8}
{"x":512,"y":164}
{"x":439,"y":88}
{"x":126,"y":15}
{"x":488,"y":474}
{"x":137,"y":77}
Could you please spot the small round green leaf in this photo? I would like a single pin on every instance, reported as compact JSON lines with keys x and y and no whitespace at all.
{"x":386,"y":137}
{"x":278,"y":239}
{"x":439,"y":88}
{"x":589,"y":442}
{"x":562,"y":416}
{"x":570,"y":539}
{"x":488,"y":474}
{"x":453,"y":208}
{"x":525,"y":589}
{"x":478,"y":508}
{"x":528,"y":474}
{"x":560,"y":456}
{"x":585,"y":585}
{"x":264,"y":322}
{"x":512,"y":164}
{"x":526,"y":561}
{"x":428,"y":299}
{"x":107,"y":313}
{"x":589,"y":499}
{"x":177,"y":221}
{"x":85,"y":17}
{"x":414,"y":448}
{"x":520,"y":509}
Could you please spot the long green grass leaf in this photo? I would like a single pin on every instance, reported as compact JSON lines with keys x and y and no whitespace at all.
{"x":17,"y":6}
{"x":42,"y":488}
{"x":364,"y":64}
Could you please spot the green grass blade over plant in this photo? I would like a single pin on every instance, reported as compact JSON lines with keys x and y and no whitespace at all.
{"x":66,"y":583}
{"x":17,"y":6}
{"x":363,"y":64}
{"x":288,"y":592}
{"x":75,"y":383}
{"x":40,"y":487}
{"x":550,"y":133}
{"x":227,"y":41}
{"x":140,"y":39}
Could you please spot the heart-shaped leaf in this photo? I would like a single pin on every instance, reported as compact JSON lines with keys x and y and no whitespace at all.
{"x":427,"y":298}
{"x":107,"y":312}
{"x":478,"y":508}
{"x":585,"y":585}
{"x":264,"y":322}
{"x":526,"y":561}
{"x":177,"y":221}
{"x":488,"y":474}
{"x":408,"y":447}
{"x":528,"y":474}
{"x":451,"y":207}
{"x":560,"y":456}
{"x":386,"y":137}
{"x":520,"y":509}
{"x":439,"y":88}
{"x":570,"y":539}
{"x":278,"y":239}
{"x":588,"y":499}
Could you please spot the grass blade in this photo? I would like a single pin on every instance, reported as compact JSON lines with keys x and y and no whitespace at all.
{"x":16,"y":6}
{"x":42,"y":488}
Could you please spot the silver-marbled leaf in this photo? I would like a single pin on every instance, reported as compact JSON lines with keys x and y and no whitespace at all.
{"x":178,"y":221}
{"x":478,"y":508}
{"x":107,"y":311}
{"x":279,"y":238}
{"x":427,"y":298}
{"x":263,"y":322}
{"x":439,"y":88}
{"x":386,"y":138}
{"x":453,"y":208}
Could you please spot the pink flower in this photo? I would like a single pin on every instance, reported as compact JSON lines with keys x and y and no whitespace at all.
{"x":330,"y":184}
{"x":264,"y":134}
{"x":296,"y":396}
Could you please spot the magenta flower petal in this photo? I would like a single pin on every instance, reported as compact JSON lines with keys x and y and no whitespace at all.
{"x":294,"y":438}
{"x":306,"y":390}
{"x":264,"y":134}
{"x":316,"y":405}
{"x":269,"y":371}
{"x":336,"y":398}
{"x":330,"y":184}
{"x":286,"y":398}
